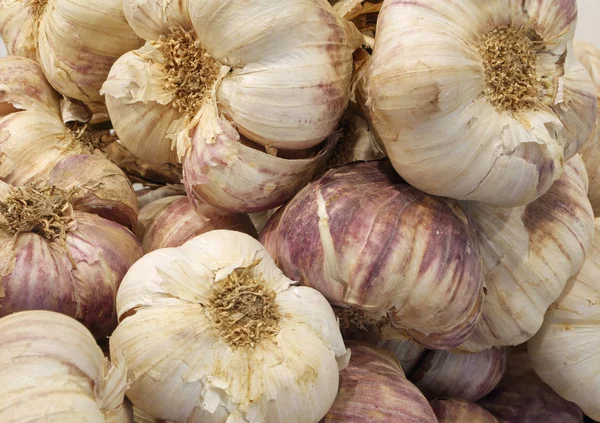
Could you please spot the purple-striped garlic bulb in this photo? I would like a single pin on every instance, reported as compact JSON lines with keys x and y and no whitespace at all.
{"x":171,"y":221}
{"x":57,"y":253}
{"x":389,"y":255}
{"x":374,"y":377}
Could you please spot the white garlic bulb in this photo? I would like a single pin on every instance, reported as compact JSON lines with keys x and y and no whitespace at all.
{"x":215,"y":327}
{"x":479,"y":100}
{"x":52,"y":371}
{"x":589,"y":55}
{"x":75,"y":41}
{"x":564,"y":353}
{"x":278,"y":71}
{"x":528,"y":254}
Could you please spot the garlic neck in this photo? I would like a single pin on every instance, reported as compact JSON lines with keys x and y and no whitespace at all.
{"x":190,"y":71}
{"x":81,"y":136}
{"x":43,"y":210}
{"x":243,"y":309}
{"x":354,"y":318}
{"x":509,"y":59}
{"x":38,"y":7}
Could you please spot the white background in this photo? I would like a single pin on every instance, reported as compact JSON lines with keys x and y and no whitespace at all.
{"x":588,"y":26}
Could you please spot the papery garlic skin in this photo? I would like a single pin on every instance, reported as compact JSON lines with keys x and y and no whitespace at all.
{"x":367,"y":240}
{"x":564,"y":353}
{"x":589,"y":55}
{"x":167,"y":336}
{"x":408,"y":353}
{"x":51,"y":370}
{"x":146,"y":196}
{"x":175,"y":221}
{"x":456,"y":410}
{"x":528,"y":255}
{"x":75,"y":42}
{"x":284,"y":74}
{"x":457,"y":120}
{"x":374,"y":376}
{"x":460,"y":375}
{"x":77,"y":275}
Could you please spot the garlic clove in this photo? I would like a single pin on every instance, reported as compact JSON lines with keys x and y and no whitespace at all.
{"x":174,"y":220}
{"x":95,"y":35}
{"x":104,"y":189}
{"x":290,"y":374}
{"x":24,"y":86}
{"x":31,"y":144}
{"x":457,"y":410}
{"x":52,"y":370}
{"x":153,"y":18}
{"x":528,"y":254}
{"x":18,"y":24}
{"x":242,"y":179}
{"x":149,"y":212}
{"x":447,"y":112}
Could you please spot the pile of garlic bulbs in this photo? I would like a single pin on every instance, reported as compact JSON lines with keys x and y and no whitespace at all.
{"x":302,"y":211}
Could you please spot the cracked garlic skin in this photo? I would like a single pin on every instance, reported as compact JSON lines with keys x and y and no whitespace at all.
{"x":377,"y":247}
{"x":564,"y":353}
{"x":279,"y":72}
{"x":56,"y":257}
{"x":528,"y":255}
{"x":589,"y":55}
{"x":479,"y":100}
{"x":52,"y":371}
{"x":215,"y":327}
{"x":75,"y":41}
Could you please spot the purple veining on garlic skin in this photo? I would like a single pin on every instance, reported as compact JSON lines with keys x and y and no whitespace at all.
{"x":364,"y":238}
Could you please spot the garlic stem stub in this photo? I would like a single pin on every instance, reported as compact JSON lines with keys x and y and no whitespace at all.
{"x":278,"y":72}
{"x":75,"y":41}
{"x":58,"y":258}
{"x":373,"y":389}
{"x":217,"y":328}
{"x":52,"y":370}
{"x":564,"y":352}
{"x":391,"y":257}
{"x":452,"y":410}
{"x":528,"y":254}
{"x":172,"y":221}
{"x":479,"y":101}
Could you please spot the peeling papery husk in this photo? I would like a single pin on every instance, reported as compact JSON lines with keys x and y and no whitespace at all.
{"x":75,"y":42}
{"x":522,"y":397}
{"x":564,"y":353}
{"x":52,"y":370}
{"x":146,"y":196}
{"x":408,"y":353}
{"x":172,"y":221}
{"x":460,"y":375}
{"x":103,"y":188}
{"x":76,"y":274}
{"x":241,"y":179}
{"x":374,"y":376}
{"x":589,"y":56}
{"x":528,"y":255}
{"x":209,"y":371}
{"x":488,"y":111}
{"x":361,"y":13}
{"x":368,"y":241}
{"x":451,"y":410}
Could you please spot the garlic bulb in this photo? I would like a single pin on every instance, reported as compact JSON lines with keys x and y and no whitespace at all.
{"x":460,"y":375}
{"x":55,"y":257}
{"x":243,"y":178}
{"x":456,"y":410}
{"x":522,"y":397}
{"x":43,"y":129}
{"x":528,"y":254}
{"x":479,"y":100}
{"x":52,"y":371}
{"x":408,"y":353}
{"x":374,"y":389}
{"x":75,"y":41}
{"x":564,"y":353}
{"x":279,"y":73}
{"x":172,"y":221}
{"x":215,"y":327}
{"x":589,"y":56}
{"x":386,"y":253}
